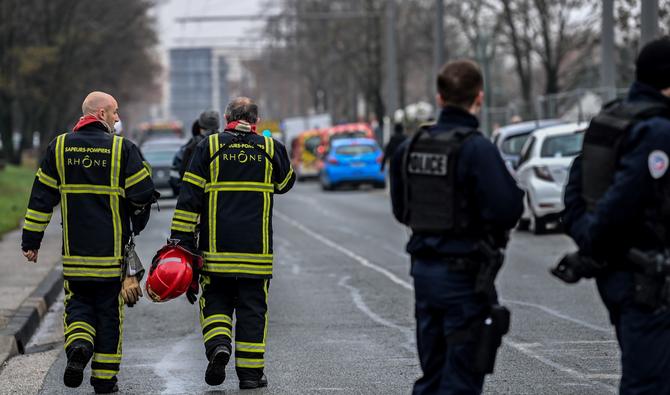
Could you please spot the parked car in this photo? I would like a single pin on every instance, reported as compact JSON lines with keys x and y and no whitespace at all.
{"x":543,"y":171}
{"x":160,"y":154}
{"x":511,"y":138}
{"x":352,"y":161}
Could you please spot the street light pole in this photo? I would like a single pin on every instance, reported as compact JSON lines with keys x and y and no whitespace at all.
{"x":391,"y":61}
{"x":607,"y":66}
{"x":438,"y":35}
{"x":649,"y":21}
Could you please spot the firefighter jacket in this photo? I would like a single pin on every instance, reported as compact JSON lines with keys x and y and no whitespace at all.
{"x":228,"y":189}
{"x":99,"y":180}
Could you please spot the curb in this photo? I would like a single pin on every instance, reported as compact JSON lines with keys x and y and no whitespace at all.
{"x":27,"y":318}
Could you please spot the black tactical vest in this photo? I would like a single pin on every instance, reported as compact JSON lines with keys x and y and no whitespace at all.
{"x":602,"y":144}
{"x":433,"y":202}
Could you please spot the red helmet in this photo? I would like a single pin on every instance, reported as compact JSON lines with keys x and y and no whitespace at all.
{"x":171,"y":273}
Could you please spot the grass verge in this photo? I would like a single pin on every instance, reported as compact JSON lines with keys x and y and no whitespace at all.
{"x":15,"y":185}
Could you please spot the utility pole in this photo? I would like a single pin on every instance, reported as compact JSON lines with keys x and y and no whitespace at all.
{"x":649,"y":21}
{"x":438,"y":36}
{"x":391,"y":59}
{"x":607,"y":66}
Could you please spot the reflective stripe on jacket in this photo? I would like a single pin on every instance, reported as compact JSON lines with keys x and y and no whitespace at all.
{"x":231,"y":195}
{"x":94,"y":175}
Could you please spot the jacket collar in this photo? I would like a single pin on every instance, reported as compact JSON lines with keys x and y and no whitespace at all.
{"x":642,"y":92}
{"x":453,"y":117}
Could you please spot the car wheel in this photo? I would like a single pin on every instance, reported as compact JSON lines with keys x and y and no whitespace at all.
{"x":380,"y":185}
{"x":524,"y":224}
{"x":539,"y":225}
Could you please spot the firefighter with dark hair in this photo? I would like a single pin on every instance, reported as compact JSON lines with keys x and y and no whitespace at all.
{"x":451,"y":187}
{"x":102,"y":186}
{"x":228,"y":189}
{"x":617,"y":209}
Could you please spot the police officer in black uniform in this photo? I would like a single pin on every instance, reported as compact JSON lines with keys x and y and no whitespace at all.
{"x":229,"y":189}
{"x":451,"y":187}
{"x":617,"y":205}
{"x":102,"y":185}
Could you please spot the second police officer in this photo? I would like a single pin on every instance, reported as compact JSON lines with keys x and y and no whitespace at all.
{"x":617,"y":211}
{"x":451,"y":187}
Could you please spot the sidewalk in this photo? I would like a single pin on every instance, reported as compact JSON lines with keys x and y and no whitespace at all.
{"x":27,"y":289}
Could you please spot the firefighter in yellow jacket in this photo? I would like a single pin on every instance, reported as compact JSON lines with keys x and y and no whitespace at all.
{"x":102,"y":185}
{"x":228,"y":189}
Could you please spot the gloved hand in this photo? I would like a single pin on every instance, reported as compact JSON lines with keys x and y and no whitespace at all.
{"x":194,"y":288}
{"x":131,"y":291}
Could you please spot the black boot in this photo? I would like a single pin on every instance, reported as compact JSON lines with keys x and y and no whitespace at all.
{"x":251,"y":384}
{"x":77,"y":358}
{"x":106,"y":389}
{"x":216,"y":370}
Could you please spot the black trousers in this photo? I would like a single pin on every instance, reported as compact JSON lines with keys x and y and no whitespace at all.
{"x":643,"y":336}
{"x":94,"y":316}
{"x":445,"y":303}
{"x":247,"y":299}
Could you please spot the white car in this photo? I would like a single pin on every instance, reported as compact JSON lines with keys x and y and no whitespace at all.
{"x":543,"y":172}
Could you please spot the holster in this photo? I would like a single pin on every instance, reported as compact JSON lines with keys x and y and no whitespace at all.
{"x":489,"y":266}
{"x":489,"y":335}
{"x":486,"y":331}
{"x":651,"y":279}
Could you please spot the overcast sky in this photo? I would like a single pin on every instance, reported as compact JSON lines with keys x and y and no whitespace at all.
{"x":224,"y":34}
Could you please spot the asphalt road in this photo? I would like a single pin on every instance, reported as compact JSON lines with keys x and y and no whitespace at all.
{"x":341,"y":315}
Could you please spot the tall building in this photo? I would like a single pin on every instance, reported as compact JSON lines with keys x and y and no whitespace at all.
{"x":198,"y":82}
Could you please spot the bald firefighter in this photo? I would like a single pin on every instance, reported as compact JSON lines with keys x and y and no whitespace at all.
{"x":228,"y":189}
{"x":102,"y":185}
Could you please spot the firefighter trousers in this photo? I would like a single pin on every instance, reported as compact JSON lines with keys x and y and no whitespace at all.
{"x":93,"y":317}
{"x":247,"y":299}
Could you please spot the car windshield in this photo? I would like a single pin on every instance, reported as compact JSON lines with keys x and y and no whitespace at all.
{"x":514,"y":144}
{"x":157,"y":158}
{"x":353,"y":150}
{"x":562,"y":145}
{"x":352,"y":134}
{"x":312,"y":143}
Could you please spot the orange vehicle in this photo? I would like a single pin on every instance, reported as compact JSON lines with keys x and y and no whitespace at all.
{"x":309,"y":147}
{"x":304,"y":153}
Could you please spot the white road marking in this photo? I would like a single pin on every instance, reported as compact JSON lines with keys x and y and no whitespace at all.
{"x":558,"y":314}
{"x":360,"y":304}
{"x":171,"y":367}
{"x":523,"y":348}
{"x":345,"y":251}
{"x":569,"y":371}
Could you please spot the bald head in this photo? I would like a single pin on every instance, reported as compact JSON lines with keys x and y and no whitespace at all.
{"x":242,"y":109}
{"x":103,"y":106}
{"x":96,"y":101}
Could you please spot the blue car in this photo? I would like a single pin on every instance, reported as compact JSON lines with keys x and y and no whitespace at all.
{"x":352,"y":161}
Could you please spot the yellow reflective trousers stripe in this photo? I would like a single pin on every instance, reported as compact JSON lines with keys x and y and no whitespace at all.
{"x":250,"y":347}
{"x":215,"y":318}
{"x":261,"y":270}
{"x":107,"y":358}
{"x":237,"y":257}
{"x":253,"y":363}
